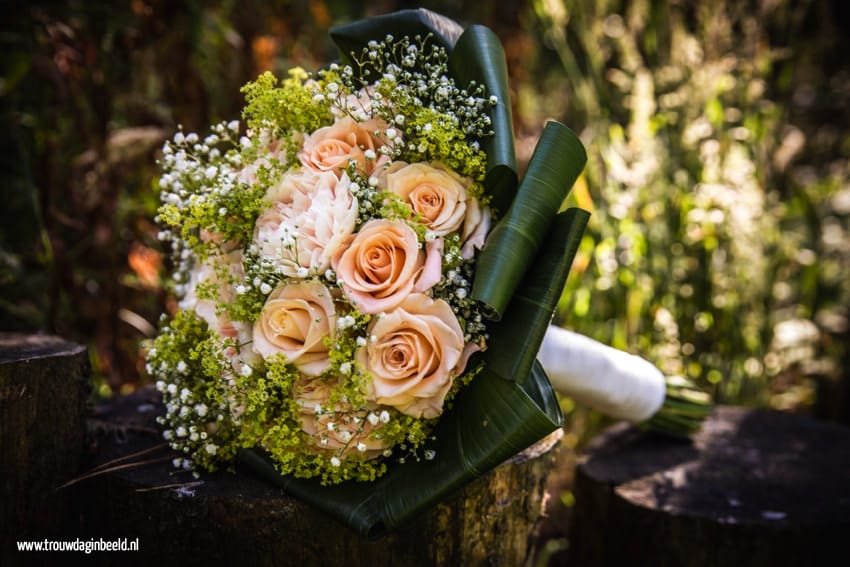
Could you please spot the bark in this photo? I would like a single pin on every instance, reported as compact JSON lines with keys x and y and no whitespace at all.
{"x":44,"y":383}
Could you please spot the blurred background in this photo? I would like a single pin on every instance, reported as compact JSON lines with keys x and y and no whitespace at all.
{"x":718,"y":136}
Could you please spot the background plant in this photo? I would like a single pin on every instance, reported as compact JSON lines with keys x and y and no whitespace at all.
{"x":717,"y":247}
{"x":718,"y":134}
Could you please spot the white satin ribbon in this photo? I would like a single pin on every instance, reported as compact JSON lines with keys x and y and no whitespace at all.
{"x":618,"y":384}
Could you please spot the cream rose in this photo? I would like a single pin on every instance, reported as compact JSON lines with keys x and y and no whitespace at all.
{"x":381,"y":266}
{"x":331,"y":148}
{"x":310,"y":218}
{"x":294,"y":182}
{"x":335,"y":426}
{"x":436,"y":194}
{"x":415,"y":355}
{"x":205,"y":274}
{"x":294,"y":322}
{"x":237,"y":333}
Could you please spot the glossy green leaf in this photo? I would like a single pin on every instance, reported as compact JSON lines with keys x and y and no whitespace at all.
{"x":510,"y":353}
{"x":491,"y":420}
{"x":478,"y":57}
{"x":514,"y":242}
{"x":354,"y":37}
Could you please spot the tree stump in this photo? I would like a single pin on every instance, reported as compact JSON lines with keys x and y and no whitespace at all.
{"x":225,"y":518}
{"x":753,"y":488}
{"x":44,"y":384}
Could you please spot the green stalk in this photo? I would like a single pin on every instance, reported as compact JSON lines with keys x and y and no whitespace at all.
{"x":684,"y":410}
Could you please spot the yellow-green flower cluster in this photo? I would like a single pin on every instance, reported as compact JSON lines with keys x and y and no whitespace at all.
{"x":281,"y":110}
{"x":187,"y":360}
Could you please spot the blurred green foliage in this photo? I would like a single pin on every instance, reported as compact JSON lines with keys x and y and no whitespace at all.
{"x":717,"y":132}
{"x":718,"y":244}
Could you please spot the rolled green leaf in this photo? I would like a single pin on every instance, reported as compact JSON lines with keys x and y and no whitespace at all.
{"x":491,"y":421}
{"x":511,"y":354}
{"x":512,"y":246}
{"x":478,"y":57}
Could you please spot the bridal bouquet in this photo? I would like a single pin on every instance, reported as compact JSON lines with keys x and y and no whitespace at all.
{"x":325,"y":262}
{"x":362,"y":283}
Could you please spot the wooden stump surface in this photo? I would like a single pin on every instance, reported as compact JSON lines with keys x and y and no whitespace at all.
{"x":225,"y":519}
{"x":753,"y":488}
{"x":44,"y":385}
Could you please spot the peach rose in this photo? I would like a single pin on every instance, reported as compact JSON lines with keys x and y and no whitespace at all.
{"x":331,"y":148}
{"x":311,"y":217}
{"x":415,"y":355}
{"x":335,"y":426}
{"x":294,"y":322}
{"x":436,"y":194}
{"x":383,"y":265}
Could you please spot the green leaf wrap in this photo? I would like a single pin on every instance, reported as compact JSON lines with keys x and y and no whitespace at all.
{"x":514,"y":242}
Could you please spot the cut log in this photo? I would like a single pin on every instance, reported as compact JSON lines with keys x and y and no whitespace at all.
{"x":227,"y":519}
{"x":754,"y":488}
{"x":44,"y":384}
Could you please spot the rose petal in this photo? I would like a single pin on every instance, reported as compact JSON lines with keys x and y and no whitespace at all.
{"x":432,"y":271}
{"x":476,"y":226}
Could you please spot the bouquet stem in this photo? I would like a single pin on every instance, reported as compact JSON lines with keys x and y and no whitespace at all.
{"x":684,"y":409}
{"x":622,"y":385}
